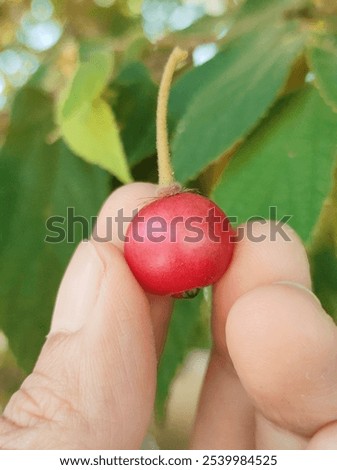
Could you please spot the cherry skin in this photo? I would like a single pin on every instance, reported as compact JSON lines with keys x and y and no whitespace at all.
{"x":178,"y":243}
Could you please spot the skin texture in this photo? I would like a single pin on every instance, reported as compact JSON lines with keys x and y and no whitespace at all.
{"x":178,"y":243}
{"x":272,"y":377}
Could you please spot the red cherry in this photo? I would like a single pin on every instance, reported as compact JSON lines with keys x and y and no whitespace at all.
{"x":178,"y":243}
{"x":181,"y":241}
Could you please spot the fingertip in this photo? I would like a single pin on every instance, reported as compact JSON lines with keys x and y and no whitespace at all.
{"x":119,"y":345}
{"x":119,"y":333}
{"x":266,"y":318}
{"x":118,"y":283}
{"x":283,"y":345}
{"x":119,"y":209}
{"x":260,"y":257}
{"x":113,"y":220}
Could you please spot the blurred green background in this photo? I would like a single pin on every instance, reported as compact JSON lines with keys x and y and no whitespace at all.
{"x":252,"y":119}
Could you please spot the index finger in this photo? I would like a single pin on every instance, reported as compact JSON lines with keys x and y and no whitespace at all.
{"x":226,"y":416}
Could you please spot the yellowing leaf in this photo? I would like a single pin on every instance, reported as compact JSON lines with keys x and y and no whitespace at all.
{"x":87,"y":123}
{"x":88,"y":83}
{"x":92,"y":133}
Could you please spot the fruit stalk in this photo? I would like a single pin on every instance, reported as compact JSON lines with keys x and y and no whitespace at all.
{"x":176,"y":263}
{"x":165,"y":170}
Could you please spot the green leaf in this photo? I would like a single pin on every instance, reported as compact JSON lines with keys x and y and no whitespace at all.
{"x":252,"y":15}
{"x":322,"y":55}
{"x":86,"y":121}
{"x":232,"y":92}
{"x":181,"y":338}
{"x":37,"y":180}
{"x":324,"y":275}
{"x":287,"y":163}
{"x":323,"y":253}
{"x":135,"y":110}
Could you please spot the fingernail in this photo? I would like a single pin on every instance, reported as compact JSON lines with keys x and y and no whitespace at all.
{"x":299,"y":286}
{"x":79,"y":289}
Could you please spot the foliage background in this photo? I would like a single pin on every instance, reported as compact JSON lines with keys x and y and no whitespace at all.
{"x":252,"y":119}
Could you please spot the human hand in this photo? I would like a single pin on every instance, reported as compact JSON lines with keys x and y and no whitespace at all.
{"x":272,"y":377}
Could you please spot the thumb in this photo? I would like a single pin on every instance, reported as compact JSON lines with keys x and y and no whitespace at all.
{"x":116,"y":337}
{"x":93,"y":385}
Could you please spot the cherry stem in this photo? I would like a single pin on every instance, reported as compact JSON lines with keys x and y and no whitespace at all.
{"x":165,"y":170}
